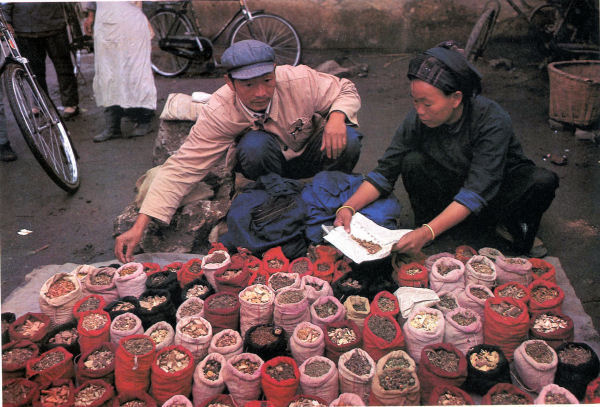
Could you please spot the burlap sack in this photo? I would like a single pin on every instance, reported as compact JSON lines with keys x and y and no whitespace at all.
{"x":60,"y":309}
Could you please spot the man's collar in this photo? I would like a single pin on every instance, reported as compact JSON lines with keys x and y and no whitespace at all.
{"x":254,"y":114}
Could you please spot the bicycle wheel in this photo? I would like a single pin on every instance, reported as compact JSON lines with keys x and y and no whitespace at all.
{"x":168,"y":23}
{"x":44,"y":131}
{"x":482,"y":31}
{"x":272,"y":30}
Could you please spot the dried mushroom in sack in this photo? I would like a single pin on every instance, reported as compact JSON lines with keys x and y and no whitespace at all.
{"x":425,"y":321}
{"x":99,"y":359}
{"x":88,"y":395}
{"x":308,"y":334}
{"x":485,"y":360}
{"x":246,"y":366}
{"x":93,"y":322}
{"x":159,"y":335}
{"x":173,"y":360}
{"x":281,"y":371}
{"x":212,"y":369}
{"x":256,"y":294}
{"x":194,"y":328}
{"x":341,"y":335}
{"x":546,"y":323}
{"x":55,"y":396}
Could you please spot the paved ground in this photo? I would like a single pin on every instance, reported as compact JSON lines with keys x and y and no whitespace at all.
{"x":78,"y":228}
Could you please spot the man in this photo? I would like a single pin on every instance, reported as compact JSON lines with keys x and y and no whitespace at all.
{"x":292,"y":121}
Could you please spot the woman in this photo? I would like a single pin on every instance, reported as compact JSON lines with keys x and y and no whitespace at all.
{"x":458,"y":156}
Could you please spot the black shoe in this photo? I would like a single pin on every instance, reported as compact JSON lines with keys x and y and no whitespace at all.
{"x":7,"y":153}
{"x":141,"y":129}
{"x":70,"y":115}
{"x":106,"y":135}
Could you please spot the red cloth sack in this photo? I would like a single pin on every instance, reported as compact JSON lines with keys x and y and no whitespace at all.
{"x":274,"y":260}
{"x":132,"y":370}
{"x":333,"y":350}
{"x":326,"y":252}
{"x":277,"y":281}
{"x":19,"y":392}
{"x":234,"y":278}
{"x":351,"y":382}
{"x":592,"y":393}
{"x":447,"y":274}
{"x":31,"y":326}
{"x":103,"y":400}
{"x":535,"y":363}
{"x":326,"y":310}
{"x":151,"y":268}
{"x":423,"y":327}
{"x":545,"y":296}
{"x":542,"y":270}
{"x":550,"y":392}
{"x":279,"y":392}
{"x":213,"y":262}
{"x":87,"y":304}
{"x":222,"y":317}
{"x":138,"y":395}
{"x":165,"y":380}
{"x":243,"y":386}
{"x":56,"y":302}
{"x":464,"y":253}
{"x":259,"y":403}
{"x":88,"y":370}
{"x":357,"y":310}
{"x":101,"y":281}
{"x":125,"y":325}
{"x":340,"y":269}
{"x":221,"y":343}
{"x":409,"y":395}
{"x":189,"y":272}
{"x":130,"y":279}
{"x":258,"y":277}
{"x":385,"y":303}
{"x":208,"y":377}
{"x":63,"y":388}
{"x":287,"y":314}
{"x":515,"y":269}
{"x":173,"y":267}
{"x":15,"y":355}
{"x":326,"y":385}
{"x":256,"y":306}
{"x":196,"y":340}
{"x":315,"y":288}
{"x":505,"y":331}
{"x":217,"y":246}
{"x":553,"y":327}
{"x":324,"y":269}
{"x":480,"y":270}
{"x":413,"y":275}
{"x":444,"y":394}
{"x":178,"y":400}
{"x":306,"y":341}
{"x":89,"y":336}
{"x":514,"y":290}
{"x":463,"y":329}
{"x":473,"y":297}
{"x":347,"y":399}
{"x":432,"y":375}
{"x":253,"y":265}
{"x":491,"y":397}
{"x":303,"y":266}
{"x":377,"y":346}
{"x":55,"y":364}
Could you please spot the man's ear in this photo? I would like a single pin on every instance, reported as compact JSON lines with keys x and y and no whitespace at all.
{"x":457,"y":98}
{"x":229,"y":82}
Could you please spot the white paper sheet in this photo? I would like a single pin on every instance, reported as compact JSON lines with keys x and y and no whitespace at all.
{"x":365,"y":229}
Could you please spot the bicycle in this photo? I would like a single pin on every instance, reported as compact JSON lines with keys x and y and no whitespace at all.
{"x":78,"y":41}
{"x":566,"y":28}
{"x":178,"y":41}
{"x":36,"y":115}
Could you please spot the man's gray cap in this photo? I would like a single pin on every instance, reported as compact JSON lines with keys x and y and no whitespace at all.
{"x":248,"y":59}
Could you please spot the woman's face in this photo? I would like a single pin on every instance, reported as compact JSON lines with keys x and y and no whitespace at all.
{"x":433,"y":106}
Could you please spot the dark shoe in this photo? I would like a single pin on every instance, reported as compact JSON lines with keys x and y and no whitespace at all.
{"x":69,"y":114}
{"x":534,"y":249}
{"x":106,"y":135}
{"x":7,"y":153}
{"x":141,"y":129}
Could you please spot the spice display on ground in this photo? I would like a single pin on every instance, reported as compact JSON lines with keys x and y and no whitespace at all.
{"x":216,"y":258}
{"x":275,"y":263}
{"x":230,"y":274}
{"x":305,"y":402}
{"x":123,"y":306}
{"x":359,"y":306}
{"x":315,"y":286}
{"x":539,"y":351}
{"x":211,"y":369}
{"x":556,"y":398}
{"x":481,"y":267}
{"x":300,"y":267}
{"x":102,"y":277}
{"x":126,"y":271}
{"x":352,"y":283}
{"x":134,"y":403}
{"x":541,"y":294}
{"x":413,"y":271}
{"x":14,"y":393}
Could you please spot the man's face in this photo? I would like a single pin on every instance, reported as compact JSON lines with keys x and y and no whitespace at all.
{"x":255,"y":93}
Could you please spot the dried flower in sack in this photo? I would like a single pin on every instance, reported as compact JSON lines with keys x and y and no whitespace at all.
{"x":30,"y":327}
{"x":512,"y":291}
{"x":485,"y":360}
{"x":541,"y":293}
{"x":48,"y":360}
{"x":211,"y":369}
{"x":246,"y":366}
{"x":190,"y":309}
{"x":443,"y":359}
{"x":370,"y":247}
{"x":88,"y":394}
{"x":173,"y":361}
{"x":134,"y":403}
{"x":308,"y":334}
{"x":317,"y":368}
{"x":397,"y":379}
{"x":55,"y":396}
{"x":124,"y":323}
{"x":138,"y":346}
{"x":574,"y":355}
{"x":280,"y":280}
{"x":448,"y":398}
{"x":341,"y":335}
{"x":92,"y":322}
{"x":159,"y":335}
{"x":506,"y":309}
{"x":197,"y":290}
{"x":463,"y":319}
{"x":90,"y":304}
{"x":281,"y":371}
{"x":195,"y":328}
{"x":226,"y":340}
{"x":425,"y":320}
{"x":99,"y":359}
{"x":17,"y":355}
{"x":326,"y":309}
{"x":358,"y":364}
{"x":257,"y":294}
{"x":546,"y":323}
{"x":66,"y":337}
{"x":60,"y":287}
{"x":151,"y":301}
{"x":481,"y":267}
{"x":556,"y":398}
{"x":447,"y":301}
{"x":396,"y":362}
{"x":102,"y":277}
{"x":504,"y":398}
{"x":382,"y":327}
{"x":539,"y":351}
{"x":480,"y":293}
{"x":291,"y":296}
{"x":306,"y":402}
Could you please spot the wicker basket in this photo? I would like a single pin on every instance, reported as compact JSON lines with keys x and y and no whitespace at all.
{"x":575,"y":91}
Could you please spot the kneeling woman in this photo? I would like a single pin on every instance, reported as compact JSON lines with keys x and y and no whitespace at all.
{"x":458,"y":156}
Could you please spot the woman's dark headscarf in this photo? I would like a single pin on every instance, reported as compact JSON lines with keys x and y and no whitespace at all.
{"x":447,"y":69}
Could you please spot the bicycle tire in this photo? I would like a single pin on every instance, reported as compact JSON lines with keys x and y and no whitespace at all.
{"x":163,"y":62}
{"x":482,"y":31}
{"x":273,"y":30}
{"x":45,"y":134}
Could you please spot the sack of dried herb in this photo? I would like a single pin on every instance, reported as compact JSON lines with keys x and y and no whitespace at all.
{"x":32,"y":326}
{"x":385,"y":303}
{"x":199,"y":288}
{"x":52,"y":365}
{"x":171,"y":373}
{"x":194,"y":334}
{"x":506,"y":393}
{"x":341,"y":337}
{"x":213,"y":262}
{"x":545,"y":296}
{"x":242,"y":375}
{"x":441,"y":364}
{"x":319,"y":375}
{"x":306,"y":341}
{"x":356,"y":370}
{"x":578,"y":365}
{"x":278,"y":281}
{"x":125,"y":325}
{"x":535,"y":363}
{"x":256,"y":306}
{"x":208,"y":377}
{"x":448,"y":301}
{"x":60,"y":393}
{"x":423,"y":327}
{"x":352,"y":283}
{"x":266,"y":340}
{"x":315,"y":288}
{"x":64,"y":335}
{"x":15,"y":355}
{"x":274,"y":260}
{"x":513,"y":290}
{"x":138,"y":396}
{"x":121,"y":306}
{"x":258,"y":403}
{"x":357,"y":310}
{"x":447,"y":274}
{"x":413,"y":275}
{"x":553,"y":327}
{"x":326,"y":310}
{"x":542,"y":270}
{"x":445,"y":395}
{"x":258,"y":277}
{"x":324,"y":269}
{"x":303,"y":266}
{"x":480,"y":270}
{"x":234,"y":278}
{"x":428,"y":263}
{"x":397,"y":359}
{"x":93,"y":329}
{"x":515,"y":269}
{"x":592,"y":393}
{"x":151,"y":268}
{"x":554,"y":394}
{"x":90,"y":302}
{"x":381,"y":334}
{"x":165,"y":280}
{"x":506,"y":324}
{"x":473,"y":297}
{"x":130,"y":279}
{"x":192,"y":307}
{"x":463,"y":329}
{"x":464,"y":253}
{"x":162,"y":334}
{"x":94,"y":393}
{"x":101,"y":281}
{"x":347,"y":399}
{"x":340,"y":269}
{"x":81,"y":272}
{"x":280,"y":379}
{"x":19,"y":392}
{"x":173,"y":267}
{"x":133,"y":361}
{"x":291,"y":308}
{"x":156,"y":305}
{"x":222,"y":310}
{"x":178,"y":401}
{"x":97,"y":363}
{"x":486,"y":366}
{"x":58,"y":295}
{"x":392,"y":387}
{"x":253,"y":265}
{"x":189,"y":271}
{"x":227,"y":342}
{"x":490,"y":253}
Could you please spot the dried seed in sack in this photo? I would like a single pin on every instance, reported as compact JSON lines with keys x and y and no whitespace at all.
{"x":485,"y":360}
{"x":66,"y":337}
{"x":195,"y":267}
{"x":556,"y":398}
{"x":359,"y":306}
{"x":275,"y":263}
{"x":246,"y":366}
{"x":358,"y":364}
{"x":370,"y":247}
{"x":326,"y":309}
{"x":152,"y":301}
{"x":504,"y":398}
{"x":341,"y":336}
{"x":30,"y":327}
{"x":99,"y":359}
{"x":123,"y":306}
{"x":574,"y":355}
{"x":88,"y":394}
{"x":481,"y":267}
{"x":258,"y":294}
{"x":48,"y":360}
{"x":103,"y":277}
{"x":315,"y":286}
{"x":317,"y":368}
{"x":308,"y":334}
{"x":512,"y":291}
{"x":546,"y":323}
{"x":60,"y":287}
{"x":464,"y":320}
{"x":173,"y":361}
{"x":17,"y":355}
{"x":398,"y":379}
{"x":425,"y":321}
{"x":441,"y":358}
{"x":190,"y":309}
{"x":92,"y":322}
{"x":124,"y":323}
{"x":215,"y":258}
{"x":223,"y":301}
{"x":291,"y":297}
{"x":539,"y":271}
{"x":226,"y":340}
{"x":211,"y":369}
{"x":382,"y":327}
{"x":396,"y":362}
{"x":506,"y":309}
{"x":448,"y":398}
{"x":281,"y":371}
{"x":265,"y":335}
{"x":195,"y":328}
{"x":542,"y":294}
{"x":539,"y":351}
{"x":90,"y":304}
{"x":55,"y":396}
{"x":158,"y":335}
{"x":445,"y":268}
{"x":127,"y":271}
{"x":479,"y":293}
{"x":197,"y":290}
{"x":134,"y":403}
{"x":305,"y":402}
{"x":138,"y":346}
{"x":280,"y":280}
{"x":447,"y":302}
{"x":386,"y":304}
{"x":300,"y":267}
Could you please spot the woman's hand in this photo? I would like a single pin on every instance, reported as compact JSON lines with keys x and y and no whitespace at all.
{"x":343,"y":218}
{"x":413,"y":242}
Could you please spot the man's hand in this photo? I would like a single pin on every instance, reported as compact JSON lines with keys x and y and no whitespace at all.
{"x":126,"y":243}
{"x":88,"y":23}
{"x":334,"y":135}
{"x":413,"y":242}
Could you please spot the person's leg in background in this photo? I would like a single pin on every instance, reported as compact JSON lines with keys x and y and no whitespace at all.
{"x":57,"y":47}
{"x":35,"y":51}
{"x":112,"y":118}
{"x":142,"y":120}
{"x":6,"y":151}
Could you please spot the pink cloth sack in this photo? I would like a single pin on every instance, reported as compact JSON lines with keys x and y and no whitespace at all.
{"x":325,"y":386}
{"x":339,"y":315}
{"x":474,"y":276}
{"x":308,"y":283}
{"x":451,"y":281}
{"x":351,"y":382}
{"x":466,"y":299}
{"x":513,"y":269}
{"x":533,"y":374}
{"x":554,"y":389}
{"x":133,"y":284}
{"x":287,"y":315}
{"x":204,"y":387}
{"x":463,"y":336}
{"x":251,"y":313}
{"x":243,"y":387}
{"x":347,"y":399}
{"x":302,"y":350}
{"x":416,"y":339}
{"x":227,"y":351}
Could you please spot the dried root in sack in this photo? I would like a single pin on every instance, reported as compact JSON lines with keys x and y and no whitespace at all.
{"x":463,"y":329}
{"x":58,"y":295}
{"x":480,"y":270}
{"x":445,"y":395}
{"x":53,"y":365}
{"x":423,"y":327}
{"x":208,"y":377}
{"x":194,"y":334}
{"x":19,"y":392}
{"x":393,"y":387}
{"x":506,"y":324}
{"x":291,"y":308}
{"x":101,"y":281}
{"x":535,"y":363}
{"x":357,"y":310}
{"x":165,"y":280}
{"x":189,"y":272}
{"x":341,"y":337}
{"x":93,"y":329}
{"x":447,"y":274}
{"x":130,"y":279}
{"x":15,"y":355}
{"x":381,"y":334}
{"x":326,"y":310}
{"x":97,"y":363}
{"x":91,"y":302}
{"x":545,"y":296}
{"x":319,"y":375}
{"x":506,"y":393}
{"x":486,"y":367}
{"x":32,"y":326}
{"x":515,"y":269}
{"x":280,"y":379}
{"x":64,"y":335}
{"x":306,"y":341}
{"x":257,"y":303}
{"x":227,"y":342}
{"x":93,"y":393}
{"x":125,"y":325}
{"x":578,"y":365}
{"x":441,"y":364}
{"x":356,"y":371}
{"x":133,"y":362}
{"x":162,"y":334}
{"x":192,"y":307}
{"x":242,"y":375}
{"x":554,"y":394}
{"x":61,"y":393}
{"x":171,"y":373}
{"x":266,"y":340}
